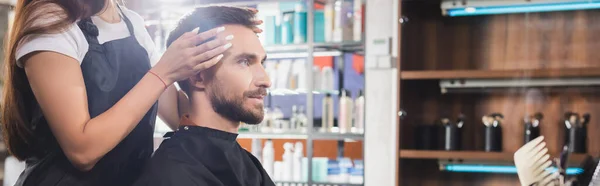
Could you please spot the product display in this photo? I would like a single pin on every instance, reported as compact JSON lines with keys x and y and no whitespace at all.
{"x":345,"y":112}
{"x":493,"y":132}
{"x":342,"y":170}
{"x":427,"y":138}
{"x":576,"y":132}
{"x":452,"y":133}
{"x":300,"y":21}
{"x":532,"y":127}
{"x":288,"y":162}
{"x":257,"y":149}
{"x":336,"y":21}
{"x":358,"y":125}
{"x":327,"y":115}
{"x":268,"y":158}
{"x":297,"y":162}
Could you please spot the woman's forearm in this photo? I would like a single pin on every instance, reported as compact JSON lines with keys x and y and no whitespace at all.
{"x":102,"y":133}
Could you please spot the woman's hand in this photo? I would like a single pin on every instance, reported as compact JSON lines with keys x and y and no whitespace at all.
{"x":256,"y":22}
{"x":185,"y":57}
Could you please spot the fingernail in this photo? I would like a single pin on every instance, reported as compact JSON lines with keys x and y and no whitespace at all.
{"x":229,"y":38}
{"x":228,"y":45}
{"x":220,"y":29}
{"x":219,"y":57}
{"x":195,"y":31}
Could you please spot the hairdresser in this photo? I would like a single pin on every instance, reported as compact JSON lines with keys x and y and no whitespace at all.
{"x":83,"y":86}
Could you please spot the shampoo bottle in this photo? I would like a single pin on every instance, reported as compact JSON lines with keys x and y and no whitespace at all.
{"x":269,"y":158}
{"x":294,"y":119}
{"x":327,"y":115}
{"x":288,"y":162}
{"x":297,"y":164}
{"x":345,"y":112}
{"x":302,"y":120}
{"x":256,"y":149}
{"x":300,"y":23}
{"x":359,"y":114}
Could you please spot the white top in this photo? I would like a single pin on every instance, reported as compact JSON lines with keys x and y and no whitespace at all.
{"x":72,"y":42}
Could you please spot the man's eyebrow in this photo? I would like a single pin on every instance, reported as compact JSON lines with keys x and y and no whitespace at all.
{"x":250,"y":56}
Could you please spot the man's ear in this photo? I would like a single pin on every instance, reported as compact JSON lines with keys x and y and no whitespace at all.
{"x":197,"y":82}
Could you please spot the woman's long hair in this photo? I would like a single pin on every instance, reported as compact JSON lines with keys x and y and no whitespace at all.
{"x":18,"y":103}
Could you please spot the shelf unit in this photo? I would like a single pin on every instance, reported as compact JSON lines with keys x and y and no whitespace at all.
{"x":499,"y":74}
{"x":307,"y":50}
{"x":315,"y":184}
{"x":471,"y":155}
{"x":494,"y":48}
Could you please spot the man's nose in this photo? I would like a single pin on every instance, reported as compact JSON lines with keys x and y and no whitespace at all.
{"x":262,"y":78}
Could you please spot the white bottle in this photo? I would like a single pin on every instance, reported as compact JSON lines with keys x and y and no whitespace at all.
{"x":317,"y":79}
{"x":327,"y":113}
{"x":297,"y":164}
{"x":329,"y":20}
{"x":359,"y":114}
{"x":277,"y":117}
{"x":278,"y":166}
{"x":294,"y":119}
{"x":337,"y":21}
{"x":345,"y":112}
{"x":327,"y":79}
{"x":269,"y":158}
{"x":302,"y":120}
{"x":256,"y":148}
{"x":288,"y":162}
{"x":357,"y":15}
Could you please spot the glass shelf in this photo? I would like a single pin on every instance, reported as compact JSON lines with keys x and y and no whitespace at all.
{"x":293,"y":183}
{"x":272,"y":135}
{"x":338,"y":136}
{"x":349,"y":46}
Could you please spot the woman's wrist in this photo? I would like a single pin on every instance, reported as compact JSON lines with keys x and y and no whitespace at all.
{"x":161,"y":76}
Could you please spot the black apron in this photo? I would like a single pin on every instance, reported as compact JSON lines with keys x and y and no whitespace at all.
{"x":110,"y":70}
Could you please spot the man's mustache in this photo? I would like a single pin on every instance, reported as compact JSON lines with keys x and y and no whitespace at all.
{"x":256,"y":93}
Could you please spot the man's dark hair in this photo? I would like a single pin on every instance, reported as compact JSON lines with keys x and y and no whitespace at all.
{"x":207,"y":18}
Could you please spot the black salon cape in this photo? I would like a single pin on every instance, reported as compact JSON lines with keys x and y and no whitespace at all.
{"x":199,"y":156}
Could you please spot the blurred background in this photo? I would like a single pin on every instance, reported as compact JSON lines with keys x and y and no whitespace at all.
{"x":415,"y":92}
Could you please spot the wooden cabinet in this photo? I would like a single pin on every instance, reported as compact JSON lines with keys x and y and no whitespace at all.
{"x":532,"y":46}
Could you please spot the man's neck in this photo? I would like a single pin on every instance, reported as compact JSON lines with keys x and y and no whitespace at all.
{"x":203,"y":115}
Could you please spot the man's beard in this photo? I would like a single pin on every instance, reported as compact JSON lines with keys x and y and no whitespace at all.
{"x":233,"y":109}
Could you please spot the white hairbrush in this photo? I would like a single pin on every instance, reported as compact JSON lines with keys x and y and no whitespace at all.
{"x":532,"y":162}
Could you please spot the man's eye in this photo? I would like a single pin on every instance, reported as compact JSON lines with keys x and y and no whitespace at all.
{"x":245,"y":62}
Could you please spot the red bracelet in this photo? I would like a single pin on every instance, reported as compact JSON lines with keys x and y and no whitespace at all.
{"x":163,"y":81}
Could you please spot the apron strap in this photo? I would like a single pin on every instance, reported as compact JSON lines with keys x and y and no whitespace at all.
{"x":127,"y":21}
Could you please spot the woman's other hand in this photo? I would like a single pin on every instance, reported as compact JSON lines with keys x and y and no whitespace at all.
{"x":185,"y":57}
{"x":256,"y":22}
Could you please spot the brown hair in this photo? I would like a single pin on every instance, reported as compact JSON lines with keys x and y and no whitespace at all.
{"x":19,"y":103}
{"x":207,"y":18}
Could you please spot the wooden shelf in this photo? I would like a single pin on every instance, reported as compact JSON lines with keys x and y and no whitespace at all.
{"x":499,"y":74}
{"x":468,"y":155}
{"x":471,"y":155}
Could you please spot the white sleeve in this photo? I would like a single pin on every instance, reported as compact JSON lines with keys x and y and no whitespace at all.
{"x":142,"y":35}
{"x":70,"y":42}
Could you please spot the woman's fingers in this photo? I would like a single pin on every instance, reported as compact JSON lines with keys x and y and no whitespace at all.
{"x":257,"y":30}
{"x":258,"y":22}
{"x":205,"y":36}
{"x":253,"y":10}
{"x":207,"y":64}
{"x":184,"y":39}
{"x":207,"y":55}
{"x":212,"y":45}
